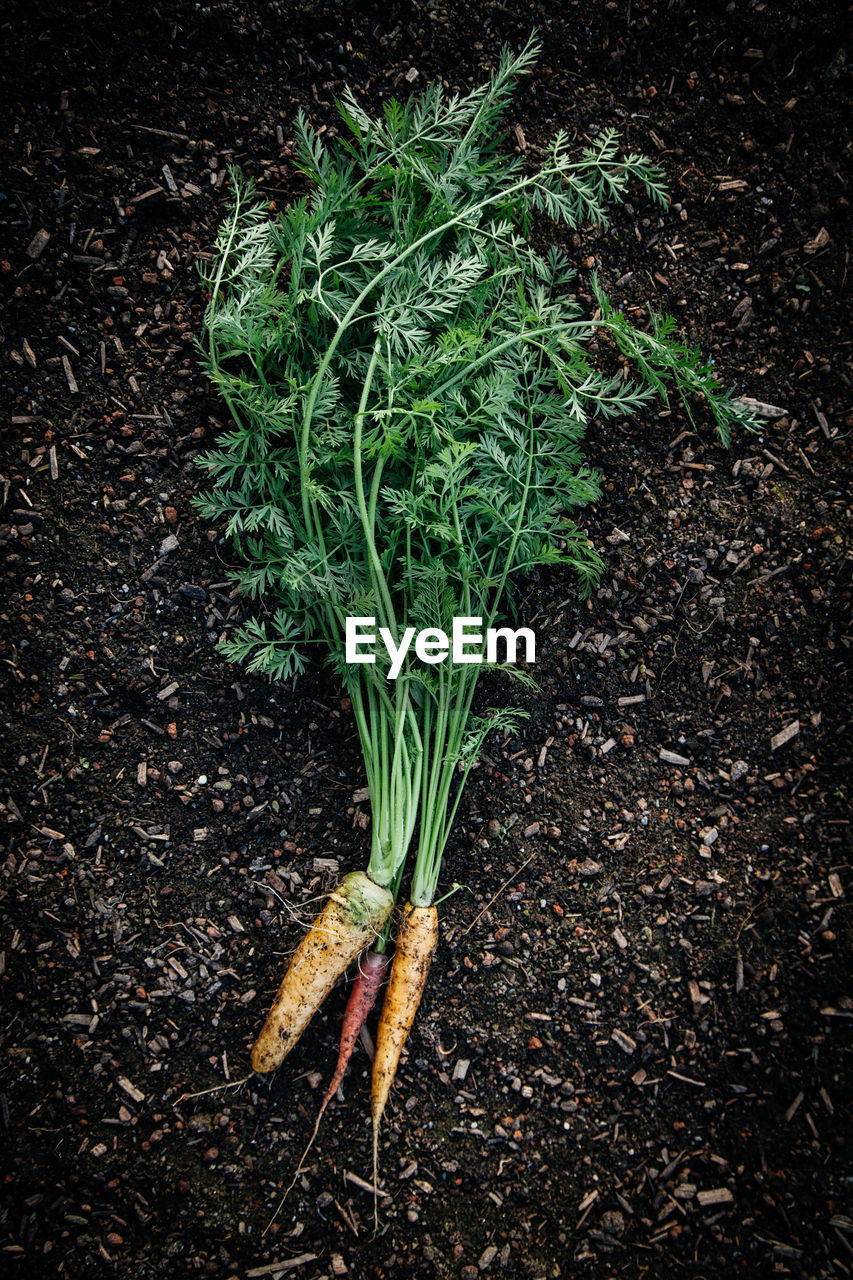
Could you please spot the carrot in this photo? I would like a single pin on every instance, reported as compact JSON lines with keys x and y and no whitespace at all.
{"x":416,"y":942}
{"x":351,"y":919}
{"x":365,"y":989}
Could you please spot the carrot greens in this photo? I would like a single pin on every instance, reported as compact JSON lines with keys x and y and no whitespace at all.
{"x":409,"y":382}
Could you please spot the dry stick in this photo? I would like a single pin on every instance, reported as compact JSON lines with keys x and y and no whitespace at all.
{"x":505,"y":885}
{"x":268,"y":888}
{"x":299,"y":1169}
{"x":231,"y":1084}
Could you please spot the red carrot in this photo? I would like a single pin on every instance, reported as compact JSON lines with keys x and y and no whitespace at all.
{"x":365,"y":989}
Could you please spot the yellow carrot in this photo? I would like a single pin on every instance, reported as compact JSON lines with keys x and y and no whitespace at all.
{"x":416,"y":942}
{"x":351,"y":919}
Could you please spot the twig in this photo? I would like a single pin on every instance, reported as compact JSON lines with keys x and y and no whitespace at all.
{"x":159,"y":133}
{"x":231,"y":1084}
{"x":276,"y":1269}
{"x":497,"y":895}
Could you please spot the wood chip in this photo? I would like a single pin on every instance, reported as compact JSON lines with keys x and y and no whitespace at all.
{"x":696,"y":995}
{"x":794,"y":1107}
{"x":365,"y":1186}
{"x":281,"y":1268}
{"x":168,"y":691}
{"x":67,"y":345}
{"x":130,"y":1089}
{"x":625,"y":1043}
{"x":784,"y":735}
{"x":146,"y":195}
{"x":700,"y":1084}
{"x":672,"y":757}
{"x":620,"y":939}
{"x":69,"y":376}
{"x":719,"y":1195}
{"x":589,"y":867}
{"x":160,"y":133}
{"x":820,"y":241}
{"x":38,"y":244}
{"x":762,"y":410}
{"x":487,"y":1257}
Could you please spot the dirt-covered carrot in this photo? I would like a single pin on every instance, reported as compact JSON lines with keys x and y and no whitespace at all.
{"x":351,"y":919}
{"x":416,"y":942}
{"x":365,"y":988}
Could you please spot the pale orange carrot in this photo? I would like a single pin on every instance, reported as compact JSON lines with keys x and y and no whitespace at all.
{"x":416,"y":942}
{"x":351,"y":919}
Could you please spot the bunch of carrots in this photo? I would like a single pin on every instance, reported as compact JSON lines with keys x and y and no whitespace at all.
{"x":409,"y":383}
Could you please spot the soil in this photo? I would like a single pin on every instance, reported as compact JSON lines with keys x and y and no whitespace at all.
{"x":633,"y":1055}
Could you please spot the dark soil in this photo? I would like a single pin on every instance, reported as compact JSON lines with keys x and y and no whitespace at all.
{"x":633,"y":1055}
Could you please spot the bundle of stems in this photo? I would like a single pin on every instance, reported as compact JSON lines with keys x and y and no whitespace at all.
{"x":409,"y":382}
